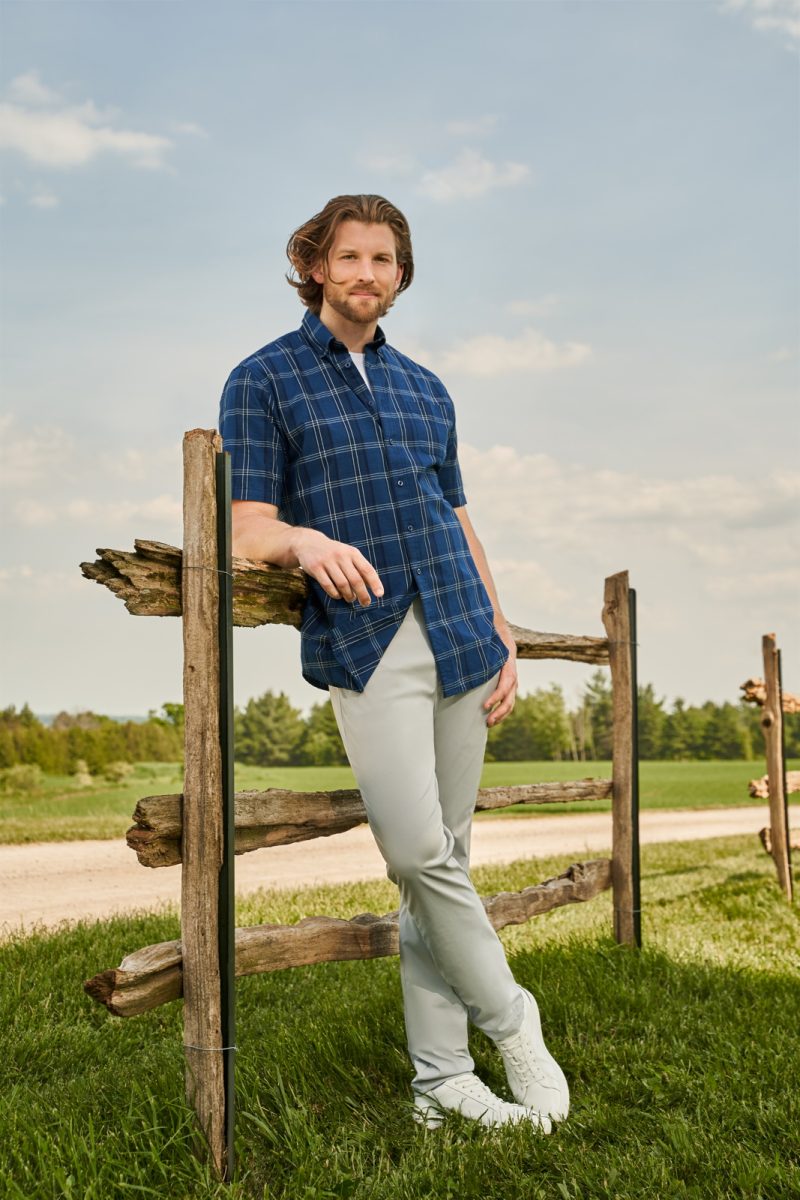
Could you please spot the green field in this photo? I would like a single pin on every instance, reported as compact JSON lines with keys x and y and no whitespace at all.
{"x":681,"y":1059}
{"x":61,"y":812}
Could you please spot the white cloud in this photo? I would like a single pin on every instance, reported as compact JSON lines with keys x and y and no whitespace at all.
{"x":29,"y":89}
{"x":42,"y":452}
{"x":26,"y":580}
{"x":492,"y":354}
{"x":781,"y":16}
{"x":190,"y":128}
{"x":399,"y":163}
{"x":475,"y":128}
{"x":542,"y":307}
{"x":44,"y":200}
{"x":783,"y":354}
{"x":470,"y":174}
{"x":554,"y":529}
{"x":515,"y":576}
{"x":560,"y":496}
{"x":48,"y":131}
{"x":105,"y":516}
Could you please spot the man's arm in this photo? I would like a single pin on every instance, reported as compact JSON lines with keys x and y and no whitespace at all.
{"x":341,"y":570}
{"x":505,"y":693}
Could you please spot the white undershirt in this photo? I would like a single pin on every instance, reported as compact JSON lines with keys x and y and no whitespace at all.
{"x":358,"y":359}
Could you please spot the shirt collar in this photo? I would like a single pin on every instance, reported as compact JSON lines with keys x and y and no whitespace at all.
{"x":321,"y":337}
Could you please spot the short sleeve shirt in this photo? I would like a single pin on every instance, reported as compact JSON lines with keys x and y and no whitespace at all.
{"x":373,"y":466}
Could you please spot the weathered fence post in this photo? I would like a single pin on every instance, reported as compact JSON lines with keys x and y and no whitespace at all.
{"x":619,"y":619}
{"x":772,"y":724}
{"x":202,"y":835}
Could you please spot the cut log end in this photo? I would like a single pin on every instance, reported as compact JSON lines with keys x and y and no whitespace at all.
{"x":102,"y":987}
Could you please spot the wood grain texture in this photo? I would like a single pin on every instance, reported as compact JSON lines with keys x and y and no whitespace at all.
{"x":754,"y":691}
{"x":772,"y":725}
{"x":616,"y":619}
{"x":202,"y":826}
{"x":759,"y":788}
{"x":278,"y":817}
{"x":153,"y":976}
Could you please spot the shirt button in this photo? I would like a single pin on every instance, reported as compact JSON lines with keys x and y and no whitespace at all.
{"x":419,"y":570}
{"x":399,"y":483}
{"x":390,"y":441}
{"x":409,"y":526}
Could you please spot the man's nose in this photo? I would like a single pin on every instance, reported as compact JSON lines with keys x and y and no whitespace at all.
{"x":365,"y":270}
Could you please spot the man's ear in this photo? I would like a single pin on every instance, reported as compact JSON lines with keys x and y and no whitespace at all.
{"x":399,"y":278}
{"x":318,"y":275}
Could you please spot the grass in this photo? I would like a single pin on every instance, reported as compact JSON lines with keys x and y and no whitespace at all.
{"x":60,"y":812}
{"x":680,"y":1057}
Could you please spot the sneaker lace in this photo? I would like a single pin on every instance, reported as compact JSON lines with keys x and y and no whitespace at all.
{"x":478,"y":1090}
{"x":518,"y":1052}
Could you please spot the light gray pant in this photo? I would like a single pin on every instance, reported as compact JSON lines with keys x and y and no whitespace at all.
{"x":417,"y":757}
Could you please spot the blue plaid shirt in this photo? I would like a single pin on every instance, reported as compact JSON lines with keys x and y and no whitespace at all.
{"x":375,"y":467}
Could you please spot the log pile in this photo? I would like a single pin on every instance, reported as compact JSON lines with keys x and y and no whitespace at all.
{"x":153,"y":976}
{"x":278,"y":817}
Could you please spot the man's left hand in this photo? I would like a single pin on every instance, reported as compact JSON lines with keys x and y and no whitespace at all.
{"x":501,"y":701}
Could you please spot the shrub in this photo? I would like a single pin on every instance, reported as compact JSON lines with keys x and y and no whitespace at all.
{"x":23,"y":778}
{"x":115,"y":772}
{"x":82,"y":775}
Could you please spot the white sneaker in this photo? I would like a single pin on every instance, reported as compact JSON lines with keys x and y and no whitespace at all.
{"x":535,"y":1078}
{"x":468,"y":1095}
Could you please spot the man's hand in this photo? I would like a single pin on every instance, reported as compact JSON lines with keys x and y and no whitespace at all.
{"x":505,"y":693}
{"x":341,"y":570}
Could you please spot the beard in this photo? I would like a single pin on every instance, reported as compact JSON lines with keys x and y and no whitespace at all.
{"x":361,"y":310}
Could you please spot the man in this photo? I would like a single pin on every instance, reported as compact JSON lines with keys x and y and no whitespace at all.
{"x":344,"y":458}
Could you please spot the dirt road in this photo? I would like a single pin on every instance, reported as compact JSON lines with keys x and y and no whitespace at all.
{"x":46,"y":884}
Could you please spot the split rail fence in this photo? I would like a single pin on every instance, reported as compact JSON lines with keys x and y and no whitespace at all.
{"x":777,"y":784}
{"x":206,"y":824}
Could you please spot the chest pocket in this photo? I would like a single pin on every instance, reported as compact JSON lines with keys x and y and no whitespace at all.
{"x":424,"y":428}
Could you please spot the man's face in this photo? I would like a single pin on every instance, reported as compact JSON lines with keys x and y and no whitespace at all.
{"x":361,"y":276}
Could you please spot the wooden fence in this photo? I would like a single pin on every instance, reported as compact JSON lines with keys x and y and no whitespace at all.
{"x":776,"y":786}
{"x":158,"y":580}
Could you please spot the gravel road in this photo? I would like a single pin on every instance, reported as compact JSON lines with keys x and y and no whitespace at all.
{"x":48,"y":883}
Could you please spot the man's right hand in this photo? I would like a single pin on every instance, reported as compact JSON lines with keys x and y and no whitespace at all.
{"x":341,"y":570}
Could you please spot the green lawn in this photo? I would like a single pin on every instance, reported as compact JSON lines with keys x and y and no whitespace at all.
{"x":681,"y":1059}
{"x":60,"y":812}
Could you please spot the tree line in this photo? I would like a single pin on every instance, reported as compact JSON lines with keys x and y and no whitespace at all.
{"x":270,"y":731}
{"x":89,"y":739}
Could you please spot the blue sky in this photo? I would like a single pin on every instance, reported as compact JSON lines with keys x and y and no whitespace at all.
{"x":603,"y":197}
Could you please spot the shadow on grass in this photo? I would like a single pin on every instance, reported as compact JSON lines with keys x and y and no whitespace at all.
{"x":680,"y":1072}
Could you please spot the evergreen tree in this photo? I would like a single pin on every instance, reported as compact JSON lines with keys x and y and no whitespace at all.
{"x":321,"y":744}
{"x":597,"y":703}
{"x":652,"y":723}
{"x":268,"y":732}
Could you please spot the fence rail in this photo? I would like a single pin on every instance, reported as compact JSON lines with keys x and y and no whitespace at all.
{"x":279,"y":817}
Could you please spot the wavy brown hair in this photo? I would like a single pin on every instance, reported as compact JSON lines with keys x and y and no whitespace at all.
{"x":309,"y":245}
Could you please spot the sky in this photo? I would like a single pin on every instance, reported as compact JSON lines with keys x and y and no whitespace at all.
{"x":603,"y":197}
